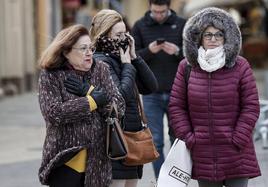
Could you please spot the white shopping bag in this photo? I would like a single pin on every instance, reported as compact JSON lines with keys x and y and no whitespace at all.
{"x":177,"y":168}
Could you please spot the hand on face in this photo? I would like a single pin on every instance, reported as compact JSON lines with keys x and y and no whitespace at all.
{"x":132,"y":46}
{"x":125,"y":55}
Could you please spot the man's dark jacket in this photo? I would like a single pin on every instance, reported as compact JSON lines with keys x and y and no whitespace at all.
{"x":163,"y":65}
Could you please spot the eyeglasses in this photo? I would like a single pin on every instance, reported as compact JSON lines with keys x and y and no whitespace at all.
{"x":218,"y":35}
{"x":85,"y":49}
{"x":162,"y":13}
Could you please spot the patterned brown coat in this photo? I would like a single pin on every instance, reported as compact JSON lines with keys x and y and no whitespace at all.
{"x":71,"y":126}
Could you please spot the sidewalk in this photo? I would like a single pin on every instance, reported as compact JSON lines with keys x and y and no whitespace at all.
{"x":22,"y":132}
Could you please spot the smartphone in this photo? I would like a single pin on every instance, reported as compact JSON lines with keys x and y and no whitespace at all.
{"x":160,"y":41}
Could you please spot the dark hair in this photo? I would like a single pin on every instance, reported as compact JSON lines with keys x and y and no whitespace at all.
{"x":160,"y":2}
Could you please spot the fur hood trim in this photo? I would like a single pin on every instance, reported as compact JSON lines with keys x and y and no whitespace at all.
{"x":219,"y":19}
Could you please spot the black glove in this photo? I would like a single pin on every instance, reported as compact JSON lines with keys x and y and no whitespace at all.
{"x":76,"y":86}
{"x":100,"y":97}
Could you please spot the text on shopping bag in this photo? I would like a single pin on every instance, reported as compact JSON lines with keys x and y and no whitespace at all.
{"x":180,"y":175}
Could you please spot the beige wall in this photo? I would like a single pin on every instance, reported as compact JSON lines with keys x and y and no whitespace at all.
{"x":13,"y":64}
{"x":17,"y":44}
{"x":2,"y":39}
{"x":134,"y":9}
{"x":49,"y":22}
{"x":17,"y":38}
{"x":177,"y":5}
{"x":42,"y":26}
{"x":29,"y":37}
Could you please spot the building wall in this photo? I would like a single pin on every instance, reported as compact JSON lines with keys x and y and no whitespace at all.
{"x":134,"y":10}
{"x":42,"y":25}
{"x":2,"y":40}
{"x":48,"y":23}
{"x":12,"y":65}
{"x":29,"y":37}
{"x":17,"y":44}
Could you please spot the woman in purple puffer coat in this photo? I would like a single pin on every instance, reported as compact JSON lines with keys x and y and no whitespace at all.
{"x":215,"y":110}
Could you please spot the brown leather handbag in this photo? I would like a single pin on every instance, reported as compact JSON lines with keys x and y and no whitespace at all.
{"x":116,"y":145}
{"x":141,"y":148}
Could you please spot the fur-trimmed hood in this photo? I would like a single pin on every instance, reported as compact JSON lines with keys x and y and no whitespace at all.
{"x":219,"y":19}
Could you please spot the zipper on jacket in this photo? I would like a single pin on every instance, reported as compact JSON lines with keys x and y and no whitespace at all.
{"x":211,"y":127}
{"x":209,"y":108}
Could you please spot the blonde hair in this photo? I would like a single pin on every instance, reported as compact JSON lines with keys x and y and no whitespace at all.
{"x":53,"y":56}
{"x":102,"y":23}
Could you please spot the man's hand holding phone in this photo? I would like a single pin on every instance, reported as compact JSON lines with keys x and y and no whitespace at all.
{"x":171,"y":48}
{"x":156,"y":45}
{"x":160,"y":41}
{"x":162,"y":44}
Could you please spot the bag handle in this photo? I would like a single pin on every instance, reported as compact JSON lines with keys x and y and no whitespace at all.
{"x":187,"y":72}
{"x":113,"y":108}
{"x":140,"y":106}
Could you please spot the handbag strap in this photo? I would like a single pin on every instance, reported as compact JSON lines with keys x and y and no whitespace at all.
{"x":113,"y":108}
{"x":140,"y":106}
{"x":187,"y":72}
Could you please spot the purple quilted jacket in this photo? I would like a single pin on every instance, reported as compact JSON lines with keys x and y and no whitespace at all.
{"x":218,"y":120}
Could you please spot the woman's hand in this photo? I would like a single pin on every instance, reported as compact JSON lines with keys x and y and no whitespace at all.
{"x":76,"y":86}
{"x":132,"y":46}
{"x":125,"y":56}
{"x":100,"y":97}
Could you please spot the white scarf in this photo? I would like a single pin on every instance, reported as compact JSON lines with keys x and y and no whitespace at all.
{"x":211,"y":59}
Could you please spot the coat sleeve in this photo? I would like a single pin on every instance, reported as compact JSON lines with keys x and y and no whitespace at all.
{"x":51,"y":103}
{"x":178,"y":110}
{"x":142,"y":50}
{"x":113,"y":92}
{"x":145,"y":78}
{"x":250,"y":108}
{"x":126,"y":81}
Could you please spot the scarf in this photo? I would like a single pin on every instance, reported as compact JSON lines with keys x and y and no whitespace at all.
{"x":212,"y":59}
{"x":109,"y":45}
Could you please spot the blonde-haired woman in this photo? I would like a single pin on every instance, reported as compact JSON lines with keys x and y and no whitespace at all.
{"x":74,"y":94}
{"x":130,"y":74}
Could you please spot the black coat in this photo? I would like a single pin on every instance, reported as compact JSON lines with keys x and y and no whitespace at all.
{"x":163,"y":65}
{"x":126,"y":76}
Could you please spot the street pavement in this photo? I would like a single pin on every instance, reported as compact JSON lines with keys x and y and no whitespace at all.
{"x":22,"y":132}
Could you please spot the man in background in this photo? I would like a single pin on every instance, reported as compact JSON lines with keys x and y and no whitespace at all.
{"x":158,"y":40}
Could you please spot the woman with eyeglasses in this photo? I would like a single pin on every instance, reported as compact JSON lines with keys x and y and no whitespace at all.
{"x":214,"y":105}
{"x":131,"y":75}
{"x":75,"y":94}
